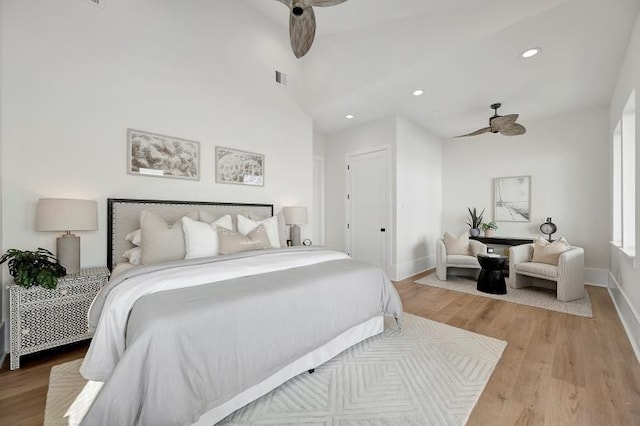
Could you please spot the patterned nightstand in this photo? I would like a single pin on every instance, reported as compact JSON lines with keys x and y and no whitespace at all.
{"x":43,"y":319}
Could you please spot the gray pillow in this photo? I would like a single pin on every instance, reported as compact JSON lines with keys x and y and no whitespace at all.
{"x":234,"y":242}
{"x":161,"y":242}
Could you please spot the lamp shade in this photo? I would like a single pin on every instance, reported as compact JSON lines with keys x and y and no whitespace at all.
{"x":295,"y":215}
{"x":61,"y":214}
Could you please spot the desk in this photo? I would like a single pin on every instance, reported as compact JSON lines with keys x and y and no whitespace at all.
{"x":491,"y":279}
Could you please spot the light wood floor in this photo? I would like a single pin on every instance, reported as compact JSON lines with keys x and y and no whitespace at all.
{"x":557,"y":369}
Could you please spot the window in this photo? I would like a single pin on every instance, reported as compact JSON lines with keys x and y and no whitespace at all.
{"x":617,"y":185}
{"x":629,"y":174}
{"x":624,"y":179}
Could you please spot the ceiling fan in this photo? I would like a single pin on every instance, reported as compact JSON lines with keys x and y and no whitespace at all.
{"x":503,"y":124}
{"x":302,"y":22}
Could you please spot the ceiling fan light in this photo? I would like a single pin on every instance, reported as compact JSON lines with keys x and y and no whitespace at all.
{"x":349,"y":116}
{"x":418,"y":92}
{"x":529,"y":53}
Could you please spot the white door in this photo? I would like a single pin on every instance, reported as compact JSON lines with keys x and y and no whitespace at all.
{"x":367,"y":205}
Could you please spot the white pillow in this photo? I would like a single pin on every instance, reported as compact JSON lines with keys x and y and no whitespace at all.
{"x":246,"y":225}
{"x":456,"y":244}
{"x":201,"y":239}
{"x":134,"y":255}
{"x":135,"y":237}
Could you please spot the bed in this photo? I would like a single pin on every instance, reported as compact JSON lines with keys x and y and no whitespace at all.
{"x":189,"y":341}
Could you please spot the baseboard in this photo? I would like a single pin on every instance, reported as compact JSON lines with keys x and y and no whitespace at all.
{"x":596,"y":277}
{"x":627,"y":314}
{"x":408,"y":269}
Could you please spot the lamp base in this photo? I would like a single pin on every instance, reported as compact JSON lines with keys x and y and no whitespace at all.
{"x":295,"y":235}
{"x":68,"y":252}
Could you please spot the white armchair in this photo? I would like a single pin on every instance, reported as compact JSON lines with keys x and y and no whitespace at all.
{"x":458,"y":264}
{"x":567,"y":278}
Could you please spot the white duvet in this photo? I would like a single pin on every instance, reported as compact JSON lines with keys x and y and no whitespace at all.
{"x":108,"y":343}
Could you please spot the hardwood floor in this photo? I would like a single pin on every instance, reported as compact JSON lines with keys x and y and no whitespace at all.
{"x":557,"y":369}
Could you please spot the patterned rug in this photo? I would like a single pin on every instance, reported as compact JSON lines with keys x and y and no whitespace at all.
{"x":532,"y":296}
{"x":426,"y":373}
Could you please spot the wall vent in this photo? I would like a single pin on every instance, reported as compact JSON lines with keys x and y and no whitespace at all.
{"x":281,"y":78}
{"x":97,"y":2}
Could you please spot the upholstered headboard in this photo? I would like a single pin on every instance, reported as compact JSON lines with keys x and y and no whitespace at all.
{"x":123,"y":217}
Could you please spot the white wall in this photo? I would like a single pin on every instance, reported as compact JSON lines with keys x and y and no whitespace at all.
{"x":624,"y":277}
{"x":416,"y":190}
{"x":76,"y":76}
{"x":369,"y":135}
{"x":567,"y":159}
{"x":2,"y":326}
{"x":418,"y":198}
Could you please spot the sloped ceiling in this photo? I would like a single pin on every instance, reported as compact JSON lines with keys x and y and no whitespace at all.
{"x":369,"y":55}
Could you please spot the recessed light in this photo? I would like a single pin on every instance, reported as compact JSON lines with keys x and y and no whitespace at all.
{"x":418,"y":92}
{"x":349,"y":116}
{"x":530,"y":52}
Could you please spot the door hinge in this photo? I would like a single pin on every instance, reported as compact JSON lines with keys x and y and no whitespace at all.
{"x":348,"y":167}
{"x":348,"y":226}
{"x":348,"y":196}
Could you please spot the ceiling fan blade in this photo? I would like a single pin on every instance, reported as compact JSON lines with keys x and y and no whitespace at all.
{"x":476,"y":133}
{"x":504,"y":121}
{"x":513,"y":129}
{"x":323,"y":3}
{"x":302,"y":30}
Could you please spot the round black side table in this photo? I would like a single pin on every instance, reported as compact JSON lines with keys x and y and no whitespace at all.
{"x":491,"y":280}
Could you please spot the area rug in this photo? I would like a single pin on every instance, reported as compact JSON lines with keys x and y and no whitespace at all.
{"x":531,"y":296}
{"x":425,"y":373}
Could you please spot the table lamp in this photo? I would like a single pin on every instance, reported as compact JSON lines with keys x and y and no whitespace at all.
{"x":295,"y":216}
{"x":66,"y":215}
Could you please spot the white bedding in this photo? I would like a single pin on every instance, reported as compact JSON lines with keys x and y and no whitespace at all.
{"x":108,"y":344}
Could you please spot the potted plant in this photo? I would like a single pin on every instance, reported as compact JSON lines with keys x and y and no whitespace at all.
{"x":489,"y":228}
{"x":29,"y":268}
{"x":474,"y":222}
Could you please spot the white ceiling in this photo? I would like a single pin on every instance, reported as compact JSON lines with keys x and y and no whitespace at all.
{"x":369,"y":55}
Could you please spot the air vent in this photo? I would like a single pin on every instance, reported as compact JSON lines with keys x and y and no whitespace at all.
{"x":281,"y":78}
{"x":97,"y":2}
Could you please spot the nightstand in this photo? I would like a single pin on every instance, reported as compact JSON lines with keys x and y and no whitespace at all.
{"x":43,"y":319}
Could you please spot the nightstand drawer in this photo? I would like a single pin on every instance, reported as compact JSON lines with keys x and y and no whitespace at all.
{"x":63,"y":322}
{"x":39,"y":294}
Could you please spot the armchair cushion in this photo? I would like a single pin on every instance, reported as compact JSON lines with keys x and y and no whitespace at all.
{"x":462,"y":260}
{"x":549,"y":253}
{"x":456,"y":244}
{"x":542,"y":270}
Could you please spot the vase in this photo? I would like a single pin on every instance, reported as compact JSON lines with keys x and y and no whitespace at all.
{"x":488,"y":233}
{"x":474,"y":232}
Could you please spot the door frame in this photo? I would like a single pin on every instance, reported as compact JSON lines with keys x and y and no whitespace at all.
{"x":319,"y":199}
{"x":386,"y":149}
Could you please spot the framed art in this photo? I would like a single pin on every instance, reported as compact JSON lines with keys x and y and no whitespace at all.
{"x":512,"y":199}
{"x":239,"y":167}
{"x":150,"y":154}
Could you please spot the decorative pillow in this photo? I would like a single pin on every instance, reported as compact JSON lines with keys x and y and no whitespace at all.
{"x":134,"y":255}
{"x":282,"y":226}
{"x":207,"y":217}
{"x":201,"y":239}
{"x":246,"y":225}
{"x":455,"y":244}
{"x":135,"y":237}
{"x":161,"y":242}
{"x":234,"y":242}
{"x":546,"y":252}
